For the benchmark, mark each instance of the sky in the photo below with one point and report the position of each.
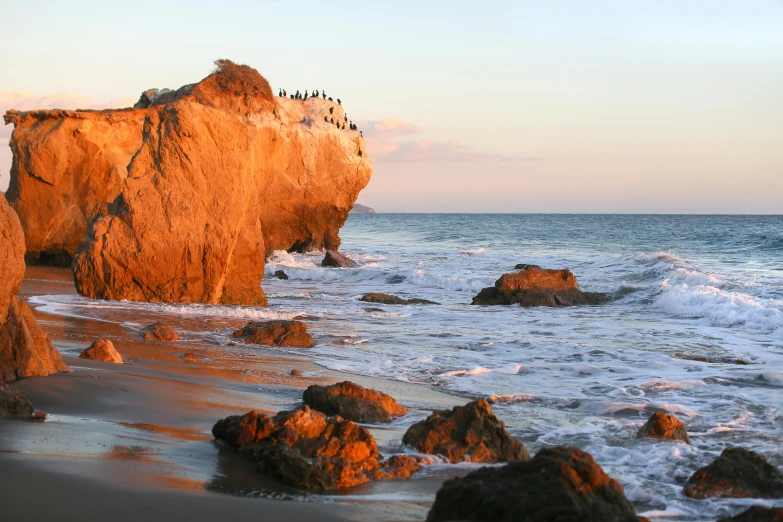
(643, 106)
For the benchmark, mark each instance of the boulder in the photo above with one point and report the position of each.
(335, 259)
(281, 275)
(276, 333)
(190, 357)
(180, 199)
(757, 514)
(534, 286)
(466, 433)
(159, 332)
(663, 426)
(102, 350)
(307, 449)
(562, 484)
(13, 404)
(737, 473)
(377, 297)
(353, 402)
(295, 373)
(25, 350)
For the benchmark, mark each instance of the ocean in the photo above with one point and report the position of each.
(695, 328)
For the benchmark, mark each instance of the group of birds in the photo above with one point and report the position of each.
(318, 94)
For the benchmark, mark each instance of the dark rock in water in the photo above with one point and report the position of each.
(737, 473)
(377, 297)
(307, 449)
(335, 259)
(353, 402)
(535, 286)
(295, 373)
(13, 404)
(102, 350)
(525, 266)
(757, 514)
(663, 426)
(371, 310)
(395, 279)
(558, 484)
(159, 332)
(276, 333)
(715, 360)
(281, 275)
(466, 433)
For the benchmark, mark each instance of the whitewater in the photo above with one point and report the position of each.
(694, 328)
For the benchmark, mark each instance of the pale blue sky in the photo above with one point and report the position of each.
(558, 106)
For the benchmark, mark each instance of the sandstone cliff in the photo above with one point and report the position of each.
(202, 182)
(25, 350)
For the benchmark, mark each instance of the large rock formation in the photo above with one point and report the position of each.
(202, 182)
(562, 484)
(25, 350)
(534, 286)
(737, 473)
(353, 402)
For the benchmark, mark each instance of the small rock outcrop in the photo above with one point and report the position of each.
(335, 259)
(466, 433)
(663, 426)
(307, 449)
(377, 297)
(275, 333)
(13, 404)
(159, 332)
(535, 286)
(525, 266)
(281, 275)
(757, 514)
(190, 357)
(102, 350)
(563, 484)
(353, 402)
(737, 473)
(361, 209)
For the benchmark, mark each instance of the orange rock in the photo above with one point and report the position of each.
(159, 332)
(276, 333)
(353, 402)
(534, 286)
(102, 350)
(663, 426)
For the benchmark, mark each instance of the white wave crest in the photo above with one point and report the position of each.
(658, 257)
(472, 251)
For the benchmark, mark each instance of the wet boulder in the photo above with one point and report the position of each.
(13, 404)
(102, 350)
(353, 402)
(466, 433)
(190, 357)
(534, 286)
(281, 275)
(378, 297)
(737, 473)
(663, 426)
(563, 484)
(335, 259)
(757, 514)
(159, 332)
(275, 333)
(305, 448)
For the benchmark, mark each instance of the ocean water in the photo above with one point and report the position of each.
(695, 328)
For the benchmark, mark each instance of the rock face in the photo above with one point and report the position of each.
(102, 350)
(353, 402)
(466, 433)
(202, 183)
(305, 448)
(737, 473)
(159, 332)
(335, 259)
(534, 286)
(276, 333)
(663, 426)
(757, 514)
(377, 297)
(562, 484)
(13, 403)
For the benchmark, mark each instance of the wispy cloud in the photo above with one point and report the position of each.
(384, 145)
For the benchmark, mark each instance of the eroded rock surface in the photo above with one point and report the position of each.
(102, 350)
(757, 514)
(307, 449)
(466, 433)
(737, 473)
(159, 332)
(563, 484)
(353, 402)
(534, 286)
(663, 426)
(180, 199)
(377, 297)
(276, 333)
(13, 404)
(335, 259)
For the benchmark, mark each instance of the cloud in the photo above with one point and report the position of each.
(383, 145)
(26, 101)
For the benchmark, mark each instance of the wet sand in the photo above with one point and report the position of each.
(133, 441)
